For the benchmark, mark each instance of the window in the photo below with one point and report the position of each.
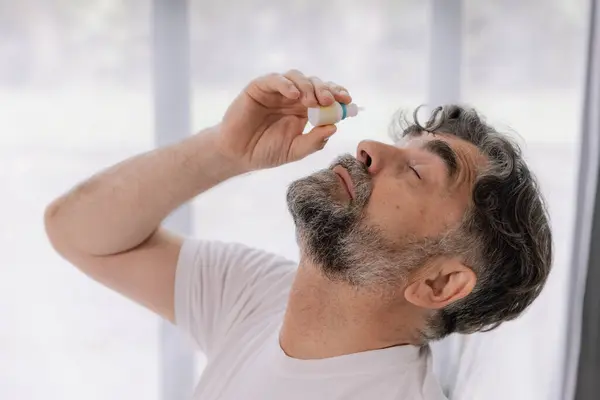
(524, 68)
(75, 98)
(376, 49)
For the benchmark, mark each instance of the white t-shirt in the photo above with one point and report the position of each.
(230, 299)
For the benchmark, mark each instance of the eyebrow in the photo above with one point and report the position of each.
(445, 152)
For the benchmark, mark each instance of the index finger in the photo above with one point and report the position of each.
(324, 94)
(340, 93)
(276, 83)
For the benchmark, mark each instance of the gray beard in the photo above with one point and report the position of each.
(335, 236)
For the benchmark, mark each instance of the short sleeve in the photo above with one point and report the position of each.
(221, 286)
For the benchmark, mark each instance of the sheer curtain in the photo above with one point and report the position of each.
(377, 49)
(74, 98)
(523, 66)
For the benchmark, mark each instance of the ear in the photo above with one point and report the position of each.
(443, 283)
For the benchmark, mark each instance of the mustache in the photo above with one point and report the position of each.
(350, 163)
(358, 172)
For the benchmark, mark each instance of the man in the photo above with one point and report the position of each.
(444, 232)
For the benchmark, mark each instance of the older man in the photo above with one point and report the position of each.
(399, 245)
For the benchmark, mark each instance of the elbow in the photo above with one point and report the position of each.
(54, 231)
(71, 234)
(50, 214)
(64, 238)
(50, 224)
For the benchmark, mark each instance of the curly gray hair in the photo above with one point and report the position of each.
(505, 235)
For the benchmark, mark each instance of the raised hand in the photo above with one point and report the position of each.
(263, 126)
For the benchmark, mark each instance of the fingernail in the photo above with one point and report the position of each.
(345, 93)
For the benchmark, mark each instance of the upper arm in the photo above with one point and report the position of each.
(206, 288)
(144, 274)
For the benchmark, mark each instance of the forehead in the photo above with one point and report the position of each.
(419, 140)
(467, 156)
(465, 150)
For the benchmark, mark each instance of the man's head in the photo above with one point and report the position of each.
(451, 217)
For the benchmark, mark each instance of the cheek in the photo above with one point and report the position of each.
(396, 210)
(400, 212)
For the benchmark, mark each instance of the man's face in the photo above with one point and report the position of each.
(374, 218)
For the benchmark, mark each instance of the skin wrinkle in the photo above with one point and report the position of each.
(403, 230)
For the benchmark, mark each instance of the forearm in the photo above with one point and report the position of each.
(121, 207)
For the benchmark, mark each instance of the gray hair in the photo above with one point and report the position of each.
(505, 234)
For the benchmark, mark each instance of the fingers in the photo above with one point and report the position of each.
(323, 92)
(340, 93)
(277, 83)
(316, 93)
(312, 141)
(308, 98)
(312, 92)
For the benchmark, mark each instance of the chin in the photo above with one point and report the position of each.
(330, 229)
(322, 222)
(344, 246)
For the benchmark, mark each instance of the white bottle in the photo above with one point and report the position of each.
(319, 116)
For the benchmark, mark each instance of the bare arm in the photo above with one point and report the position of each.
(108, 226)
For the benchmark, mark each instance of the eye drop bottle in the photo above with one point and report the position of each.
(319, 116)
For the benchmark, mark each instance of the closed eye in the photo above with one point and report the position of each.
(415, 171)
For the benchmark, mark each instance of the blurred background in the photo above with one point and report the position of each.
(78, 88)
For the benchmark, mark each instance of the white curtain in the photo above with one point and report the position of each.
(581, 358)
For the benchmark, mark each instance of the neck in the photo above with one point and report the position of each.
(327, 319)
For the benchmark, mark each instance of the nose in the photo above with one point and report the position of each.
(375, 155)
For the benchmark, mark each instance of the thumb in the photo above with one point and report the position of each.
(315, 140)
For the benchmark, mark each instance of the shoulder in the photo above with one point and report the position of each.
(432, 388)
(223, 288)
(236, 273)
(421, 381)
(215, 254)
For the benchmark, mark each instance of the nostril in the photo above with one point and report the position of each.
(364, 156)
